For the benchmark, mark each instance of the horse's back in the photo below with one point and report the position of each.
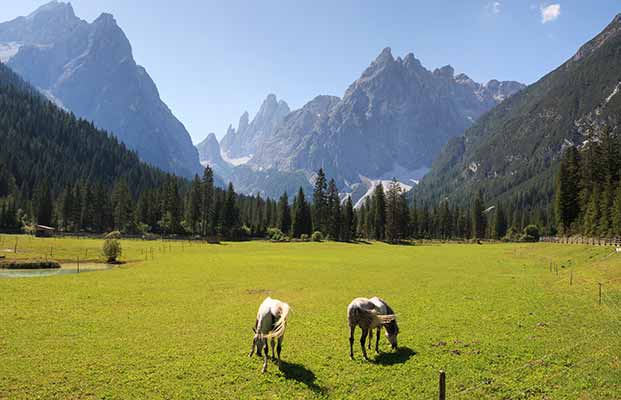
(380, 305)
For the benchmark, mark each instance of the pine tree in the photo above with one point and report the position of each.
(320, 202)
(616, 212)
(592, 214)
(394, 213)
(349, 221)
(207, 203)
(478, 219)
(567, 199)
(333, 211)
(500, 223)
(379, 213)
(193, 208)
(122, 207)
(230, 213)
(284, 214)
(302, 224)
(44, 204)
(604, 224)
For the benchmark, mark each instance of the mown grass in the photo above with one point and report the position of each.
(179, 325)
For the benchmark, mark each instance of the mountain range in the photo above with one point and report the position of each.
(89, 69)
(391, 122)
(512, 152)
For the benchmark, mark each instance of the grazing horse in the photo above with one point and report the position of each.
(371, 314)
(270, 325)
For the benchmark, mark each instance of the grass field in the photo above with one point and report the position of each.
(179, 325)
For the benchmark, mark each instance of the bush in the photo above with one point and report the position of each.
(531, 234)
(112, 250)
(304, 237)
(511, 236)
(246, 231)
(274, 234)
(317, 236)
(113, 235)
(149, 236)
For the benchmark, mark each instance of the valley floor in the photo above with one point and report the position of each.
(496, 318)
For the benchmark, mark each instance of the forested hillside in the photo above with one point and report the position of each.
(511, 155)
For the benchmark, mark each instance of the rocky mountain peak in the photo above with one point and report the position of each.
(385, 57)
(447, 72)
(410, 61)
(90, 70)
(242, 144)
(53, 9)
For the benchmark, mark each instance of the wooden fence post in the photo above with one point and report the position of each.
(78, 264)
(571, 278)
(442, 384)
(15, 249)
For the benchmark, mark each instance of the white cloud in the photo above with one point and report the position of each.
(550, 12)
(493, 7)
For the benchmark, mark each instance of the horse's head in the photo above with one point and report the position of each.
(392, 330)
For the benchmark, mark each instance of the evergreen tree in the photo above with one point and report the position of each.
(616, 212)
(567, 199)
(379, 212)
(478, 218)
(500, 223)
(122, 207)
(320, 202)
(396, 213)
(284, 214)
(207, 202)
(230, 213)
(349, 221)
(193, 208)
(333, 211)
(604, 224)
(592, 214)
(302, 224)
(44, 205)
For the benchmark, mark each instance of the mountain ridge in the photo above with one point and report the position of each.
(89, 69)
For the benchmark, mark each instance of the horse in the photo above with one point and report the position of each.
(270, 325)
(371, 314)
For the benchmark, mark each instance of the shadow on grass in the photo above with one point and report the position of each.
(300, 373)
(402, 355)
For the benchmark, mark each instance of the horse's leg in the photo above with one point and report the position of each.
(265, 356)
(279, 348)
(363, 337)
(379, 331)
(370, 338)
(273, 346)
(352, 328)
(254, 345)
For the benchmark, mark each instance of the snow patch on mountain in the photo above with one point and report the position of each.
(8, 51)
(235, 161)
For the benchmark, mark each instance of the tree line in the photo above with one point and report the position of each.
(588, 186)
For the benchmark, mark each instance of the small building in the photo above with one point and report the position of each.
(44, 231)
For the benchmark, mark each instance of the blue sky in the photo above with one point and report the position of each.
(214, 59)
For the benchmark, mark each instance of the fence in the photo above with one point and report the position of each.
(582, 240)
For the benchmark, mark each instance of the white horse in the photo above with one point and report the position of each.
(371, 314)
(271, 323)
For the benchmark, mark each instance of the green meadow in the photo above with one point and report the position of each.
(175, 321)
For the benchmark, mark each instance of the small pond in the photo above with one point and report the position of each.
(66, 269)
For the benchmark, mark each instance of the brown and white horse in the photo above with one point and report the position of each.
(270, 325)
(371, 314)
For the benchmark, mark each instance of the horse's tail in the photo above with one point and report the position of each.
(281, 324)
